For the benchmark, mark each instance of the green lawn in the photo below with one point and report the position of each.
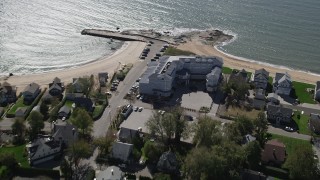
(171, 51)
(68, 103)
(302, 94)
(270, 80)
(97, 110)
(291, 143)
(18, 151)
(19, 103)
(226, 70)
(302, 122)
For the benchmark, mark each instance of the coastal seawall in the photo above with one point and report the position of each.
(120, 36)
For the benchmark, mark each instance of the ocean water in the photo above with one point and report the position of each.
(44, 35)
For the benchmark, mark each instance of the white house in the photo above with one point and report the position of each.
(160, 75)
(282, 84)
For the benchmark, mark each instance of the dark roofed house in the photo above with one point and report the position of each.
(31, 92)
(259, 101)
(314, 123)
(56, 87)
(260, 78)
(317, 91)
(111, 173)
(77, 86)
(239, 77)
(103, 78)
(282, 84)
(8, 93)
(85, 103)
(274, 152)
(278, 114)
(122, 151)
(168, 163)
(127, 135)
(64, 111)
(64, 132)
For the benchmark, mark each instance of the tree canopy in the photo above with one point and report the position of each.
(82, 120)
(207, 132)
(303, 165)
(36, 123)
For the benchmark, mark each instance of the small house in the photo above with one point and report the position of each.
(282, 84)
(260, 78)
(122, 151)
(103, 78)
(8, 93)
(56, 87)
(274, 152)
(31, 92)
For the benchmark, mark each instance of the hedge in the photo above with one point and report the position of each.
(34, 172)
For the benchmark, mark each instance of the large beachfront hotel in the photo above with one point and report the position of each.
(161, 75)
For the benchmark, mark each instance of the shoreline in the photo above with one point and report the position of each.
(234, 62)
(128, 53)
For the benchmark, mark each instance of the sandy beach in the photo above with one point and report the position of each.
(199, 48)
(128, 53)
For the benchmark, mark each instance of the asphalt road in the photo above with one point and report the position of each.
(101, 126)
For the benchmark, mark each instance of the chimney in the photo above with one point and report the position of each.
(274, 154)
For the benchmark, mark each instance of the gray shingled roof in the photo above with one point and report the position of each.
(272, 109)
(32, 88)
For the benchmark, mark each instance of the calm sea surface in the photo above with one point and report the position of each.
(44, 35)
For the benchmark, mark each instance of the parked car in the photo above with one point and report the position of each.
(142, 57)
(153, 59)
(141, 97)
(140, 109)
(135, 108)
(149, 44)
(156, 57)
(158, 54)
(138, 80)
(138, 96)
(289, 129)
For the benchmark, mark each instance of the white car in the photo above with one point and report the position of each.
(140, 109)
(289, 129)
(141, 97)
(135, 108)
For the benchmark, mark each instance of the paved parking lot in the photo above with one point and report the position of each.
(137, 120)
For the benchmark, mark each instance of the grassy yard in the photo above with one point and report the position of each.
(302, 94)
(302, 122)
(19, 103)
(171, 51)
(291, 143)
(68, 103)
(18, 151)
(226, 70)
(235, 112)
(97, 110)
